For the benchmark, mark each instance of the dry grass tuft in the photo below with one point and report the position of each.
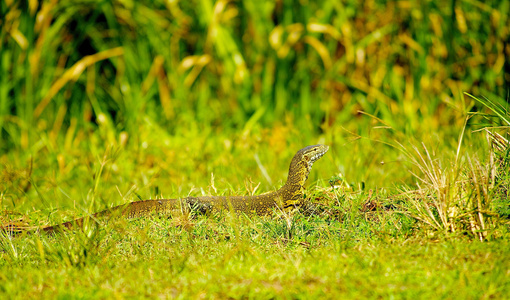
(456, 196)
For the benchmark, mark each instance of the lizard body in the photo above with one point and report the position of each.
(290, 195)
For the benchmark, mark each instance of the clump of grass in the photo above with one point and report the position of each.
(13, 252)
(77, 249)
(500, 156)
(456, 195)
(498, 119)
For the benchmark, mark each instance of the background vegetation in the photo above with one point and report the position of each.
(105, 102)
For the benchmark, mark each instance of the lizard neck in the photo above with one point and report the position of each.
(300, 166)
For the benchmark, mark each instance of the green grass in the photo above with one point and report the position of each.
(102, 103)
(253, 258)
(357, 244)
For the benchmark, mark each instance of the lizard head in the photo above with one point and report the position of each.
(302, 163)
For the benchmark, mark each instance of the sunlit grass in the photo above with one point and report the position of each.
(103, 103)
(454, 196)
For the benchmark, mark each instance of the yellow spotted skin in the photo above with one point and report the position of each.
(290, 195)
